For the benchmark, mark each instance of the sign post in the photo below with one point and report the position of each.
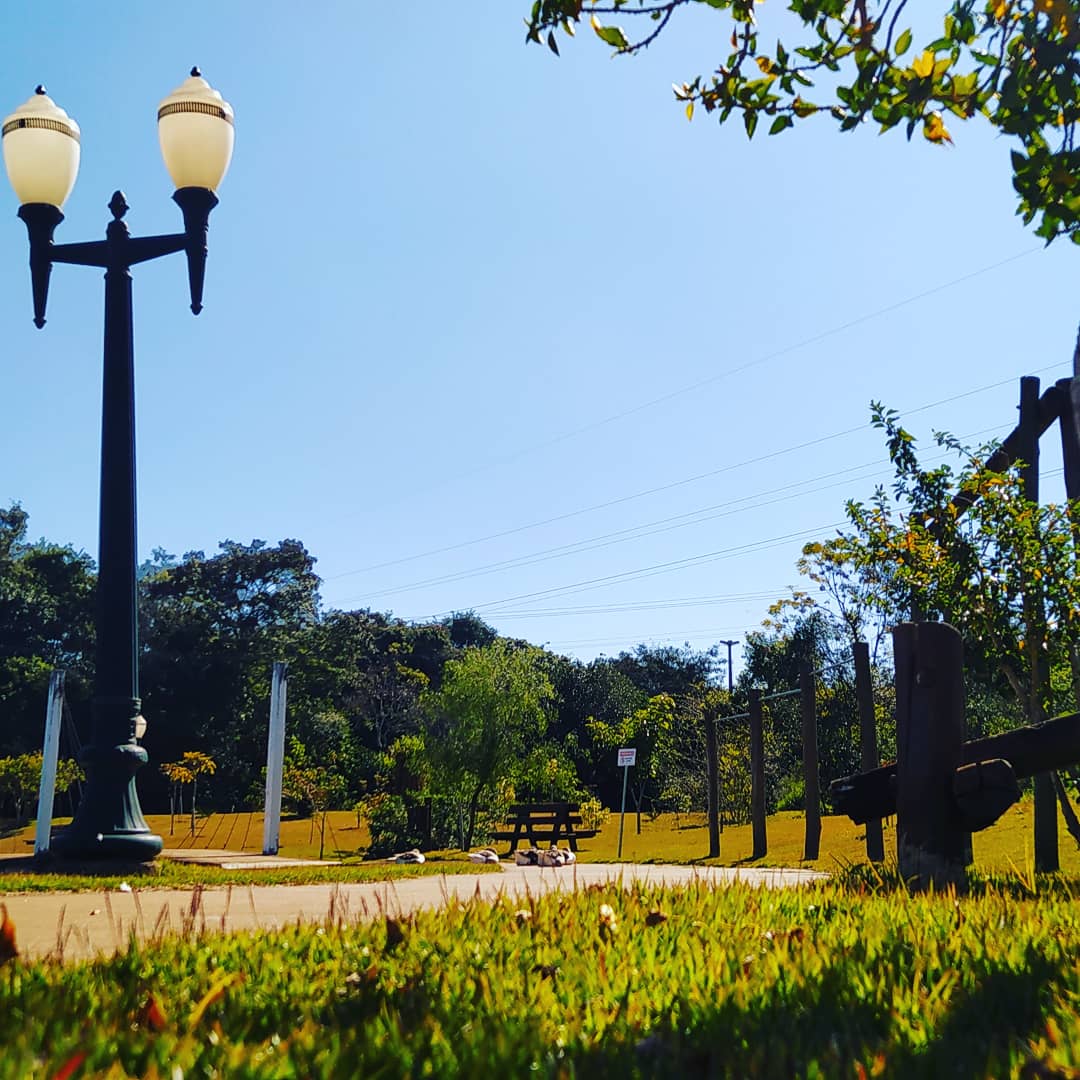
(627, 757)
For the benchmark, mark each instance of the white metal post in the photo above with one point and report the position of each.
(627, 757)
(622, 812)
(50, 752)
(275, 760)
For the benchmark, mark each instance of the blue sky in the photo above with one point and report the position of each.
(489, 329)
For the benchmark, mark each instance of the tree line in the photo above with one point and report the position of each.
(429, 730)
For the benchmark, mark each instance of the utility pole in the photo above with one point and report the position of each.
(730, 681)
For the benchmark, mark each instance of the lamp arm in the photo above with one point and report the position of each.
(92, 253)
(144, 248)
(118, 250)
(104, 253)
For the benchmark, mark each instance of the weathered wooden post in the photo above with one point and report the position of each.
(712, 775)
(1046, 839)
(811, 779)
(757, 776)
(1069, 426)
(929, 733)
(864, 694)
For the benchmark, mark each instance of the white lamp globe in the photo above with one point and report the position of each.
(195, 129)
(41, 151)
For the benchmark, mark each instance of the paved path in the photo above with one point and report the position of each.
(79, 925)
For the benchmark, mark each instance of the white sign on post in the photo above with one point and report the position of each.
(627, 757)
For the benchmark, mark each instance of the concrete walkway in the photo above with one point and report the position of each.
(75, 926)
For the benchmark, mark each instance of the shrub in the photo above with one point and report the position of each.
(388, 822)
(791, 793)
(593, 814)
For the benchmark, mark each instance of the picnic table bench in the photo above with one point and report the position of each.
(543, 821)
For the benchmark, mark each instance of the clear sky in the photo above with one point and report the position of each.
(489, 329)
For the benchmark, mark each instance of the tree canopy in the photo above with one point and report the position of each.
(1014, 63)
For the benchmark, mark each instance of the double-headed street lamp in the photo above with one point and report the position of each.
(41, 153)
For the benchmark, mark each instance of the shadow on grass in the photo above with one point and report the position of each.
(790, 1026)
(46, 865)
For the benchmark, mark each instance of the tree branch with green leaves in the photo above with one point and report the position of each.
(1014, 63)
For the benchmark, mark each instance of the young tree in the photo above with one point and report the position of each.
(967, 545)
(316, 788)
(192, 765)
(1015, 63)
(485, 720)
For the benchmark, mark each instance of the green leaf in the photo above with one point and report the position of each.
(780, 123)
(613, 35)
(750, 118)
(552, 44)
(903, 43)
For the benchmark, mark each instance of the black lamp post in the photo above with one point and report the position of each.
(41, 153)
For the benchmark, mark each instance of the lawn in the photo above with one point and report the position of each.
(822, 981)
(667, 838)
(1004, 846)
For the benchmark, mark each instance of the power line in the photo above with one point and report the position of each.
(646, 639)
(671, 485)
(652, 528)
(651, 605)
(645, 605)
(607, 540)
(653, 570)
(775, 355)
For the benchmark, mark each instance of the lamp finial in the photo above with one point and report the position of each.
(118, 205)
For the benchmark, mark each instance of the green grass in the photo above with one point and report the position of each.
(844, 979)
(170, 875)
(667, 838)
(1005, 845)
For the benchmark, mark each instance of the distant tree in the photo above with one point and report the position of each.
(468, 630)
(211, 630)
(484, 721)
(800, 633)
(650, 730)
(597, 690)
(668, 669)
(1015, 63)
(46, 622)
(20, 779)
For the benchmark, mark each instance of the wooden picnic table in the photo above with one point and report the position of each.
(543, 821)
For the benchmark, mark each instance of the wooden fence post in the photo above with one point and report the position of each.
(1069, 427)
(1046, 838)
(712, 769)
(864, 694)
(757, 776)
(929, 733)
(811, 779)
